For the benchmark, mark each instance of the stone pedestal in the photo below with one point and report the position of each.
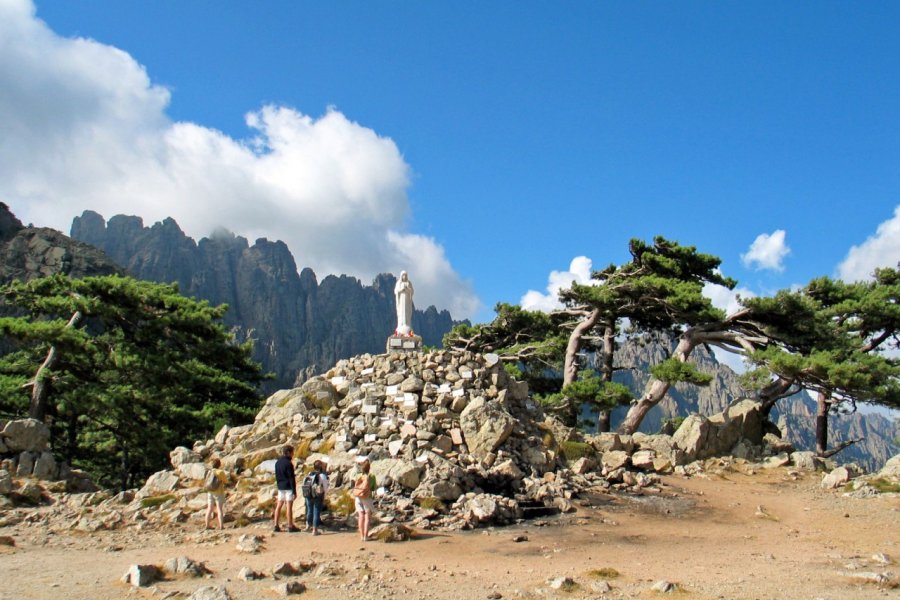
(404, 343)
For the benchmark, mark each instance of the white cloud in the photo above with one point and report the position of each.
(85, 128)
(725, 299)
(579, 271)
(767, 251)
(729, 301)
(880, 250)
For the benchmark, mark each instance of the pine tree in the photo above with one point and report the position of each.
(123, 370)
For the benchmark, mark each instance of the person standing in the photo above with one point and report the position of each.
(315, 500)
(215, 495)
(363, 488)
(286, 483)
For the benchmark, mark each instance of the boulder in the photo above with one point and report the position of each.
(614, 460)
(485, 426)
(28, 435)
(288, 588)
(837, 478)
(806, 460)
(693, 436)
(6, 483)
(45, 467)
(482, 508)
(161, 482)
(583, 465)
(210, 592)
(181, 455)
(141, 575)
(183, 565)
(643, 459)
(891, 469)
(195, 471)
(318, 392)
(25, 464)
(438, 488)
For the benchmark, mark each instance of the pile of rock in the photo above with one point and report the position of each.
(453, 442)
(28, 469)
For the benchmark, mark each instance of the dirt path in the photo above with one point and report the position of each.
(768, 535)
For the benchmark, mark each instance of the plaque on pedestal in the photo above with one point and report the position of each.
(404, 343)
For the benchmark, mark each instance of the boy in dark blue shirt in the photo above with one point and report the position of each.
(286, 481)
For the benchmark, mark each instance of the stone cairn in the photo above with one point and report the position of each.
(454, 443)
(29, 472)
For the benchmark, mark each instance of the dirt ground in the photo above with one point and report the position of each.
(773, 534)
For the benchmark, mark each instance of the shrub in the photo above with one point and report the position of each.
(604, 573)
(341, 504)
(302, 450)
(327, 446)
(575, 450)
(884, 486)
(433, 503)
(154, 501)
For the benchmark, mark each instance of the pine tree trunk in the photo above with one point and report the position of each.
(606, 373)
(822, 406)
(570, 368)
(603, 421)
(772, 393)
(656, 388)
(38, 407)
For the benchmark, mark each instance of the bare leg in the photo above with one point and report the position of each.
(220, 509)
(278, 512)
(290, 513)
(209, 509)
(365, 524)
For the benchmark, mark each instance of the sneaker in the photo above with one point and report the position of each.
(293, 529)
(276, 529)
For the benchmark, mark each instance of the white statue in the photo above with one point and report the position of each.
(403, 294)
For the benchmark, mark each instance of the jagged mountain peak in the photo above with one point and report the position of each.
(298, 323)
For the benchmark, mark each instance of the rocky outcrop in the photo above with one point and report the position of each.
(299, 326)
(25, 456)
(28, 253)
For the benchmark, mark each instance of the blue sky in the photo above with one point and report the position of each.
(481, 146)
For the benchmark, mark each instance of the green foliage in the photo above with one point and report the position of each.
(144, 370)
(661, 287)
(602, 395)
(883, 486)
(574, 450)
(671, 424)
(830, 337)
(433, 503)
(341, 504)
(154, 501)
(530, 344)
(673, 371)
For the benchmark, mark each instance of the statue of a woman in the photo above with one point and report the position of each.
(403, 294)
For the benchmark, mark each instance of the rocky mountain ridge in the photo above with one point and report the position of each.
(299, 325)
(30, 252)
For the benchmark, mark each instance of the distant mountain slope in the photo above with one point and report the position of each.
(299, 325)
(795, 416)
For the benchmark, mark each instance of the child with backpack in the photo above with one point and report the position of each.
(315, 486)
